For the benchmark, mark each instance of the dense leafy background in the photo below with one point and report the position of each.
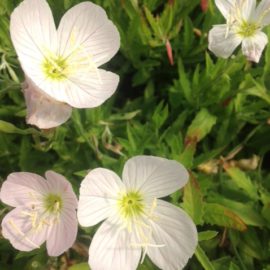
(210, 114)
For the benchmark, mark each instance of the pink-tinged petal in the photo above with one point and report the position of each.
(262, 13)
(85, 29)
(154, 176)
(62, 235)
(85, 88)
(17, 228)
(98, 196)
(23, 188)
(58, 184)
(253, 47)
(112, 248)
(43, 111)
(222, 42)
(33, 34)
(174, 229)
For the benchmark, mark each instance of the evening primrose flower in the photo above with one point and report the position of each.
(64, 63)
(137, 222)
(244, 25)
(44, 211)
(43, 111)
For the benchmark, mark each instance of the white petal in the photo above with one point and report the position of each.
(221, 43)
(22, 188)
(84, 89)
(225, 7)
(43, 111)
(17, 228)
(154, 176)
(86, 28)
(98, 194)
(252, 47)
(63, 234)
(174, 229)
(33, 34)
(262, 13)
(246, 7)
(111, 248)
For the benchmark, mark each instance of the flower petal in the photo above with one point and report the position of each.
(262, 13)
(84, 89)
(57, 183)
(43, 111)
(222, 44)
(225, 7)
(112, 246)
(86, 29)
(154, 176)
(22, 188)
(63, 234)
(253, 47)
(98, 194)
(246, 7)
(17, 228)
(33, 34)
(174, 229)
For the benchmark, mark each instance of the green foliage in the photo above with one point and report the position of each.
(210, 114)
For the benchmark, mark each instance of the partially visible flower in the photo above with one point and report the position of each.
(43, 111)
(244, 25)
(64, 63)
(136, 219)
(45, 211)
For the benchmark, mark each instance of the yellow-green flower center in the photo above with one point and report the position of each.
(131, 204)
(55, 68)
(247, 29)
(53, 203)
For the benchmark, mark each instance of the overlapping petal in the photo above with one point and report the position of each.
(43, 111)
(23, 187)
(174, 229)
(98, 196)
(253, 47)
(17, 227)
(86, 30)
(112, 247)
(222, 42)
(157, 177)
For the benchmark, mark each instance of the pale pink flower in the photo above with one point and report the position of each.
(43, 111)
(64, 63)
(137, 222)
(45, 210)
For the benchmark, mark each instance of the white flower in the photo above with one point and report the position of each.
(45, 210)
(64, 63)
(136, 219)
(43, 111)
(244, 25)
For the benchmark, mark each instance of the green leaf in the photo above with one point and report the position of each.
(242, 181)
(193, 200)
(201, 125)
(216, 214)
(7, 127)
(207, 235)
